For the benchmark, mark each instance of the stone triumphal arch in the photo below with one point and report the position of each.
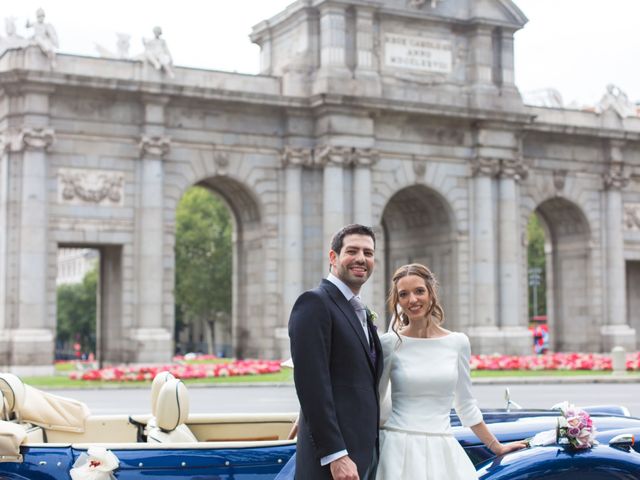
(399, 114)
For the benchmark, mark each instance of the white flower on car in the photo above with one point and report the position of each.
(97, 464)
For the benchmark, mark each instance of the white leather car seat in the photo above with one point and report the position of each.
(158, 382)
(171, 412)
(14, 393)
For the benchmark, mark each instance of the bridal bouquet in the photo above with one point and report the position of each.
(575, 425)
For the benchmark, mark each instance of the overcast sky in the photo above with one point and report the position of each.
(575, 46)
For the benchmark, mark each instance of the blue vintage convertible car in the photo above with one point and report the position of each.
(46, 437)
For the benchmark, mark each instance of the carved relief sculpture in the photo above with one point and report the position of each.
(419, 168)
(632, 216)
(221, 160)
(330, 154)
(485, 166)
(511, 168)
(35, 138)
(559, 179)
(297, 156)
(154, 146)
(364, 156)
(616, 177)
(76, 186)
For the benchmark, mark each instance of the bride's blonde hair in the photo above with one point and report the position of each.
(435, 311)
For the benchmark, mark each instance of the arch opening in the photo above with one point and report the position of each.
(235, 330)
(418, 227)
(567, 264)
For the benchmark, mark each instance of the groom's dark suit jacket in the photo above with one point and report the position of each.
(336, 381)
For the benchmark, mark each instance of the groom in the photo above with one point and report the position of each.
(337, 365)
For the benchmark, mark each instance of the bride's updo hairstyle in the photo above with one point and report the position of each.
(435, 311)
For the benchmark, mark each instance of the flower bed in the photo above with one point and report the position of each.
(138, 373)
(551, 361)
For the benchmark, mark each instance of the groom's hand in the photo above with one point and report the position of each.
(344, 469)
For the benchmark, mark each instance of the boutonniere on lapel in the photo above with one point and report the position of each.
(372, 317)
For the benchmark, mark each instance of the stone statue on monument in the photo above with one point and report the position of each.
(44, 36)
(618, 101)
(420, 3)
(12, 40)
(122, 47)
(157, 53)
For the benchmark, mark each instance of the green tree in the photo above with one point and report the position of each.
(203, 260)
(536, 259)
(77, 312)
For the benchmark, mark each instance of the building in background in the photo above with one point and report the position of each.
(75, 263)
(399, 114)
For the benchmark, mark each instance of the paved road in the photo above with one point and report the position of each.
(283, 399)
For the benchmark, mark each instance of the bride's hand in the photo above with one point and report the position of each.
(502, 449)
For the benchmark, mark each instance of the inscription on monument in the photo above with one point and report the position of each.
(418, 53)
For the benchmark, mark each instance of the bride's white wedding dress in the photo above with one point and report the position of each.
(428, 376)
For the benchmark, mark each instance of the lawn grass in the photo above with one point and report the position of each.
(63, 381)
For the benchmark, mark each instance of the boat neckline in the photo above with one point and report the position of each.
(428, 338)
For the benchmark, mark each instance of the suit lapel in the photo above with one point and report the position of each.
(350, 315)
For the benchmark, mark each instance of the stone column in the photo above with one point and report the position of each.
(31, 336)
(480, 69)
(366, 60)
(616, 331)
(294, 159)
(153, 336)
(333, 36)
(333, 75)
(333, 159)
(508, 59)
(485, 334)
(4, 228)
(481, 55)
(517, 338)
(363, 159)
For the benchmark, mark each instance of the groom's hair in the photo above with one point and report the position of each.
(354, 229)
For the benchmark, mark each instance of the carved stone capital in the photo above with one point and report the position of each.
(294, 156)
(632, 216)
(80, 186)
(34, 139)
(488, 167)
(332, 155)
(516, 169)
(616, 177)
(559, 179)
(154, 146)
(365, 157)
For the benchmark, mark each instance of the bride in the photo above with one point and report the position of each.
(428, 369)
